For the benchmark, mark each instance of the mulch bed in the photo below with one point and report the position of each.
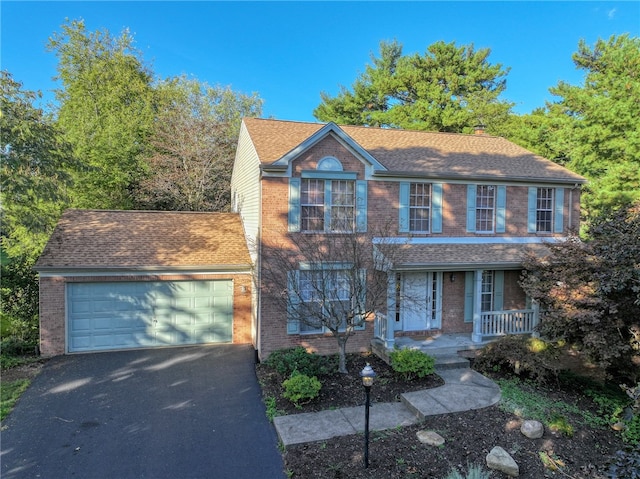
(469, 436)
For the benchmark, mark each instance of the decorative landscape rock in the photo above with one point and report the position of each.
(500, 460)
(532, 429)
(431, 438)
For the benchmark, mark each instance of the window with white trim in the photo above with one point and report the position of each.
(544, 210)
(485, 208)
(312, 205)
(324, 292)
(419, 207)
(342, 205)
(327, 205)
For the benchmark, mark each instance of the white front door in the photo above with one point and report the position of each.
(421, 301)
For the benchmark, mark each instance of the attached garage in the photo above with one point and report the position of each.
(113, 280)
(121, 315)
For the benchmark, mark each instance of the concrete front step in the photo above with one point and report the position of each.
(450, 361)
(446, 358)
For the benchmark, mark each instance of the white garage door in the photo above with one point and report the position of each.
(123, 315)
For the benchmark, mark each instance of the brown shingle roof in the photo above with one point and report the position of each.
(457, 256)
(101, 239)
(417, 152)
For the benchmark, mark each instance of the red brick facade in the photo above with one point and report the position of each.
(382, 208)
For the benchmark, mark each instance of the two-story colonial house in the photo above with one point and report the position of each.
(462, 210)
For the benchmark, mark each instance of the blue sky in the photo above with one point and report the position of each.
(288, 52)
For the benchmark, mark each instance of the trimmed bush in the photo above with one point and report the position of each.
(300, 388)
(526, 357)
(289, 360)
(412, 363)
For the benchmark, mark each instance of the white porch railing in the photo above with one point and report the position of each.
(500, 323)
(380, 326)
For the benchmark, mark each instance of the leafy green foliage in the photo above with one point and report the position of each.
(449, 88)
(589, 291)
(631, 431)
(34, 172)
(300, 388)
(19, 295)
(412, 363)
(526, 357)
(272, 408)
(106, 112)
(291, 360)
(595, 127)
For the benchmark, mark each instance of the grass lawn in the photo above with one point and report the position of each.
(9, 393)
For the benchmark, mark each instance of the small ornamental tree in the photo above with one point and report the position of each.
(328, 282)
(590, 291)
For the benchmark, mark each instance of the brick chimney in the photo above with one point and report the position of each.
(478, 129)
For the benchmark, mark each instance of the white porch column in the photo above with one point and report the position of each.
(536, 318)
(476, 337)
(389, 336)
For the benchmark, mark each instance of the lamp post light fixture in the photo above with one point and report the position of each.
(368, 375)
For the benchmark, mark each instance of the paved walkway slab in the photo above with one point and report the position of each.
(464, 389)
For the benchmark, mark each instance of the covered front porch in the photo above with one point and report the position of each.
(487, 326)
(455, 295)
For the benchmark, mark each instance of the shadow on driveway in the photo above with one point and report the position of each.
(191, 412)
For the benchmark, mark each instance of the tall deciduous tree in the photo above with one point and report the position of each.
(193, 145)
(590, 291)
(449, 89)
(596, 125)
(106, 111)
(34, 179)
(35, 171)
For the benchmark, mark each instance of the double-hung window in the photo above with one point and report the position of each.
(319, 205)
(419, 207)
(312, 205)
(324, 296)
(544, 210)
(485, 208)
(334, 212)
(342, 206)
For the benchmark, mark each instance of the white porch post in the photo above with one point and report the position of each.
(389, 336)
(536, 318)
(476, 337)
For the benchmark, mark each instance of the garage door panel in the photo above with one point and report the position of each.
(121, 315)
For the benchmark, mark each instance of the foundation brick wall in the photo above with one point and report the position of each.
(382, 219)
(53, 304)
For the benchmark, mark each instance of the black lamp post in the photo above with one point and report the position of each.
(368, 375)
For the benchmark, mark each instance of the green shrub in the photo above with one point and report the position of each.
(525, 357)
(289, 360)
(300, 388)
(412, 363)
(631, 431)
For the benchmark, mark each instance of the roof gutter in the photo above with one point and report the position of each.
(141, 270)
(466, 177)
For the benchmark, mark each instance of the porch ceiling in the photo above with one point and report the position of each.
(462, 257)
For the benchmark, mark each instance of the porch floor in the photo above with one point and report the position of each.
(441, 344)
(443, 347)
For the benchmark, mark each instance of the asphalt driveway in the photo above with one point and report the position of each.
(174, 413)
